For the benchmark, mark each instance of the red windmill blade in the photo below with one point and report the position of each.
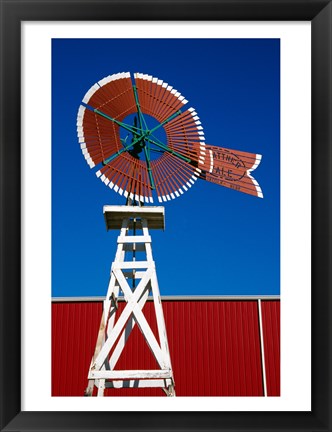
(145, 162)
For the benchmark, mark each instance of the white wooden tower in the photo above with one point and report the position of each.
(132, 280)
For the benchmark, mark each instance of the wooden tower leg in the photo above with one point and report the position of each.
(114, 333)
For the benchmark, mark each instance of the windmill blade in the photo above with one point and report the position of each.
(179, 167)
(173, 176)
(98, 137)
(157, 99)
(113, 95)
(127, 176)
(108, 102)
(232, 169)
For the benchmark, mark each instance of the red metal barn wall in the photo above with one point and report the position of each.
(271, 332)
(215, 347)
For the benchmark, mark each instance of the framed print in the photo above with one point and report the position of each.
(207, 300)
(52, 236)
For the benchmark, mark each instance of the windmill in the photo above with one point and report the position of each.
(142, 141)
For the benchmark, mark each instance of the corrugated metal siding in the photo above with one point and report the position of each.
(74, 332)
(214, 346)
(271, 331)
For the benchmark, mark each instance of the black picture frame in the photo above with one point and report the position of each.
(13, 12)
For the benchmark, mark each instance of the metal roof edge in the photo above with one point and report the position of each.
(173, 298)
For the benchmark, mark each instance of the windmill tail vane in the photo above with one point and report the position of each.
(140, 138)
(232, 169)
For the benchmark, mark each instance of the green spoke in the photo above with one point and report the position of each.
(124, 125)
(128, 147)
(156, 150)
(143, 137)
(161, 145)
(166, 121)
(141, 118)
(149, 168)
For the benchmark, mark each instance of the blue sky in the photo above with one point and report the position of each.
(217, 241)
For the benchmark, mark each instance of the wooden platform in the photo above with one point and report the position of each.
(114, 215)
